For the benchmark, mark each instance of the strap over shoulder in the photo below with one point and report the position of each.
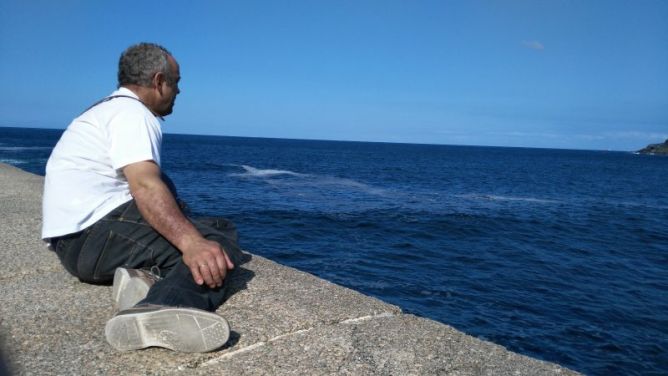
(112, 97)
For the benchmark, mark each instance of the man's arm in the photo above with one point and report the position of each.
(207, 261)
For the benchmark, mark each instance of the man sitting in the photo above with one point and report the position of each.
(110, 215)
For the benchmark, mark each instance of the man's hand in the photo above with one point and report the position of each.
(207, 261)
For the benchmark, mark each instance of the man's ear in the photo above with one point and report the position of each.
(158, 80)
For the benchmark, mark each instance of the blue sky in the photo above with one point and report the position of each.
(563, 74)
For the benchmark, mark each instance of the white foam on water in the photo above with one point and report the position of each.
(307, 180)
(638, 205)
(12, 161)
(484, 197)
(328, 181)
(260, 173)
(19, 148)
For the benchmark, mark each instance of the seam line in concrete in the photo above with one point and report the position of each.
(369, 317)
(254, 346)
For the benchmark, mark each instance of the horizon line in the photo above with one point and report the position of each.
(359, 141)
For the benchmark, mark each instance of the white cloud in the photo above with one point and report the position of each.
(638, 135)
(534, 45)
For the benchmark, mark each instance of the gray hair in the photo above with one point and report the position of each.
(139, 63)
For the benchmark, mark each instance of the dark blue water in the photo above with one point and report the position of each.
(556, 254)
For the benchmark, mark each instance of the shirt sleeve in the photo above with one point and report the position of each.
(135, 136)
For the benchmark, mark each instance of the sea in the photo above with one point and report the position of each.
(560, 255)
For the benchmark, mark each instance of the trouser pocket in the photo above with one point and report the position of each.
(67, 249)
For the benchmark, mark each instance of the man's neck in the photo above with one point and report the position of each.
(145, 95)
(140, 91)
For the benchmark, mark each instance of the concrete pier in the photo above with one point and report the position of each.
(284, 322)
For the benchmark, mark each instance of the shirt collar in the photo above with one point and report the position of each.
(125, 91)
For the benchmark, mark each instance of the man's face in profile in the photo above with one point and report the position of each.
(170, 88)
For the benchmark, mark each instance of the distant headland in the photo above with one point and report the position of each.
(655, 149)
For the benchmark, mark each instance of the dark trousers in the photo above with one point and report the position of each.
(124, 239)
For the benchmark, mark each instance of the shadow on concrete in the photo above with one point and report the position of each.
(4, 366)
(238, 280)
(232, 341)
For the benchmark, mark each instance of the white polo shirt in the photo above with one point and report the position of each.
(84, 178)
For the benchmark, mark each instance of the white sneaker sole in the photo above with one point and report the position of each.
(128, 290)
(179, 329)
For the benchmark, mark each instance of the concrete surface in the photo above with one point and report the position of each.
(284, 322)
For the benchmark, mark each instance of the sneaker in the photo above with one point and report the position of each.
(131, 286)
(176, 328)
